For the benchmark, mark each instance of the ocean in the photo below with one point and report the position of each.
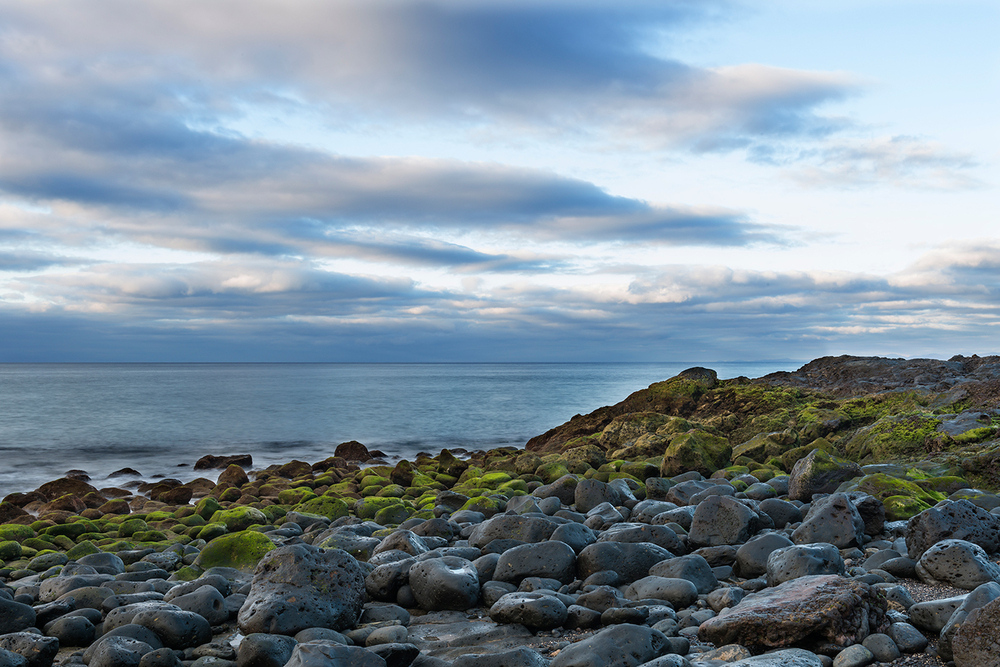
(160, 418)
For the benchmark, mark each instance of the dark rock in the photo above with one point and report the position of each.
(297, 587)
(680, 593)
(396, 654)
(636, 532)
(781, 512)
(590, 493)
(264, 650)
(722, 520)
(693, 568)
(537, 611)
(957, 563)
(907, 637)
(445, 583)
(72, 631)
(206, 601)
(630, 560)
(518, 657)
(978, 598)
(623, 645)
(832, 519)
(952, 519)
(819, 472)
(976, 643)
(802, 560)
(162, 657)
(15, 616)
(527, 529)
(576, 535)
(210, 461)
(551, 559)
(116, 651)
(316, 654)
(177, 629)
(805, 611)
(751, 558)
(933, 615)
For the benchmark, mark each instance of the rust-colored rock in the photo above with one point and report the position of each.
(352, 451)
(234, 475)
(805, 612)
(210, 461)
(65, 485)
(10, 511)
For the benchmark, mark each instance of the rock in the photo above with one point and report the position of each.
(976, 643)
(352, 451)
(506, 526)
(958, 563)
(403, 540)
(177, 629)
(205, 601)
(751, 558)
(693, 568)
(808, 610)
(630, 561)
(695, 450)
(622, 645)
(788, 563)
(316, 654)
(104, 563)
(933, 615)
(165, 657)
(722, 520)
(396, 654)
(298, 586)
(781, 512)
(978, 598)
(444, 583)
(728, 596)
(518, 657)
(385, 580)
(952, 519)
(551, 559)
(834, 520)
(11, 659)
(882, 647)
(635, 532)
(72, 631)
(15, 616)
(789, 657)
(116, 651)
(590, 493)
(537, 611)
(210, 461)
(907, 637)
(819, 472)
(854, 656)
(264, 650)
(576, 535)
(680, 593)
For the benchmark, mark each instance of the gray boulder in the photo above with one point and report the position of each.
(957, 563)
(324, 654)
(263, 650)
(536, 611)
(513, 527)
(933, 615)
(834, 520)
(624, 645)
(976, 643)
(630, 560)
(819, 472)
(781, 512)
(751, 558)
(952, 519)
(518, 657)
(680, 593)
(205, 601)
(590, 493)
(693, 568)
(576, 535)
(298, 586)
(974, 600)
(115, 651)
(638, 532)
(550, 559)
(722, 520)
(444, 583)
(15, 616)
(803, 560)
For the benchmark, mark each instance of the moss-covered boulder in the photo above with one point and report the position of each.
(207, 507)
(132, 526)
(820, 472)
(884, 486)
(765, 446)
(239, 518)
(898, 508)
(485, 504)
(81, 549)
(393, 515)
(10, 550)
(550, 471)
(328, 506)
(16, 532)
(367, 508)
(895, 436)
(240, 550)
(695, 450)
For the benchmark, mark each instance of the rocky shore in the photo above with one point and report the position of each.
(845, 514)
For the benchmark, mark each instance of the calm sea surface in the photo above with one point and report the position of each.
(160, 418)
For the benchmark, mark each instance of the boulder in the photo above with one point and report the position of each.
(680, 593)
(590, 493)
(298, 586)
(550, 559)
(630, 560)
(952, 519)
(976, 643)
(444, 583)
(819, 472)
(802, 560)
(623, 645)
(832, 519)
(511, 526)
(536, 611)
(957, 563)
(751, 558)
(978, 598)
(808, 611)
(693, 568)
(637, 532)
(722, 520)
(695, 450)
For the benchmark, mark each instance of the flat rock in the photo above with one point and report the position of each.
(814, 609)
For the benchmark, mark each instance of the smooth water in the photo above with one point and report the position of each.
(160, 418)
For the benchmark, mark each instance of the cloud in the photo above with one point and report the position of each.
(588, 69)
(899, 161)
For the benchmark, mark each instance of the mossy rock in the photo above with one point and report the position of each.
(193, 520)
(493, 480)
(898, 508)
(367, 508)
(187, 573)
(328, 506)
(16, 532)
(393, 515)
(81, 549)
(587, 453)
(485, 504)
(239, 518)
(550, 472)
(514, 486)
(207, 507)
(211, 531)
(150, 536)
(884, 486)
(73, 530)
(240, 550)
(63, 542)
(10, 550)
(132, 526)
(641, 470)
(763, 474)
(792, 456)
(41, 524)
(390, 491)
(764, 446)
(373, 480)
(894, 437)
(695, 450)
(946, 485)
(44, 560)
(299, 494)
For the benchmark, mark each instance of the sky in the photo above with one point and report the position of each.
(469, 180)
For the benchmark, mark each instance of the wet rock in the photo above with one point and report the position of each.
(537, 611)
(177, 629)
(527, 529)
(551, 559)
(165, 657)
(751, 558)
(978, 598)
(519, 657)
(635, 532)
(781, 512)
(116, 651)
(15, 616)
(316, 654)
(907, 638)
(952, 519)
(264, 650)
(623, 645)
(808, 610)
(445, 583)
(693, 568)
(801, 560)
(11, 659)
(679, 593)
(590, 493)
(576, 535)
(210, 461)
(384, 582)
(958, 563)
(72, 631)
(630, 561)
(933, 615)
(298, 586)
(834, 520)
(206, 601)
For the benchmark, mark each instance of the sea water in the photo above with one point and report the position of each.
(161, 418)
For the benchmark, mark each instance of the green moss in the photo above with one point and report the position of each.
(241, 550)
(10, 550)
(296, 495)
(492, 480)
(893, 437)
(884, 486)
(390, 491)
(551, 471)
(947, 485)
(130, 527)
(898, 508)
(367, 508)
(328, 506)
(211, 531)
(82, 549)
(207, 507)
(974, 435)
(695, 450)
(239, 518)
(16, 532)
(393, 515)
(485, 504)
